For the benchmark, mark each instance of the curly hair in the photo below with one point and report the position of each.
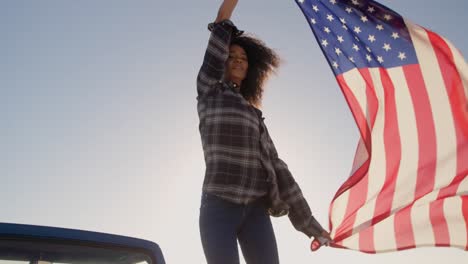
(262, 62)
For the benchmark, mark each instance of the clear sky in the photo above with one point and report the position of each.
(99, 129)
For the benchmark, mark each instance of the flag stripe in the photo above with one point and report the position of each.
(337, 212)
(362, 83)
(453, 210)
(404, 233)
(422, 225)
(441, 109)
(445, 130)
(439, 224)
(405, 182)
(392, 148)
(426, 153)
(454, 86)
(357, 99)
(383, 235)
(377, 105)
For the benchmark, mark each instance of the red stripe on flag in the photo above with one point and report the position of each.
(426, 130)
(392, 143)
(366, 240)
(345, 228)
(404, 235)
(358, 114)
(454, 87)
(439, 224)
(384, 201)
(453, 82)
(372, 101)
(357, 197)
(427, 152)
(359, 180)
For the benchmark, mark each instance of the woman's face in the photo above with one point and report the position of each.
(236, 64)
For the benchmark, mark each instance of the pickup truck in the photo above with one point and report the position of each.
(46, 245)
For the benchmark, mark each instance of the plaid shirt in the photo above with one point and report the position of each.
(242, 164)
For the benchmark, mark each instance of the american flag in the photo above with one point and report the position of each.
(407, 88)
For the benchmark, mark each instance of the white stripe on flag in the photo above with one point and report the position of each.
(456, 225)
(357, 85)
(377, 167)
(406, 179)
(338, 211)
(440, 105)
(351, 242)
(384, 237)
(422, 226)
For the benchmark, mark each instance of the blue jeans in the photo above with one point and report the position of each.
(223, 223)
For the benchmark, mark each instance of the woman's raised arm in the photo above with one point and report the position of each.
(225, 10)
(212, 69)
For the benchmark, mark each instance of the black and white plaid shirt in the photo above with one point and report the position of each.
(242, 164)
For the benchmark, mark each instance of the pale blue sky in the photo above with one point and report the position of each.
(99, 129)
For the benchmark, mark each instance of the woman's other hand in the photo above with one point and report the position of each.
(323, 239)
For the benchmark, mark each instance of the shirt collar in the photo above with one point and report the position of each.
(233, 86)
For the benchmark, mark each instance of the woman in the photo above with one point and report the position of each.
(245, 181)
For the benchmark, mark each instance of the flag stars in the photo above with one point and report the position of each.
(345, 27)
(402, 55)
(338, 51)
(371, 9)
(326, 29)
(330, 18)
(380, 27)
(380, 59)
(357, 30)
(368, 58)
(313, 21)
(372, 38)
(351, 59)
(343, 20)
(387, 47)
(355, 2)
(395, 35)
(340, 39)
(315, 8)
(335, 65)
(349, 10)
(364, 19)
(333, 2)
(355, 47)
(324, 43)
(388, 17)
(301, 1)
(368, 49)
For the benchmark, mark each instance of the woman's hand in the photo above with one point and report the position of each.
(225, 10)
(323, 239)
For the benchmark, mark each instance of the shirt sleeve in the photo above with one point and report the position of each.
(216, 54)
(299, 214)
